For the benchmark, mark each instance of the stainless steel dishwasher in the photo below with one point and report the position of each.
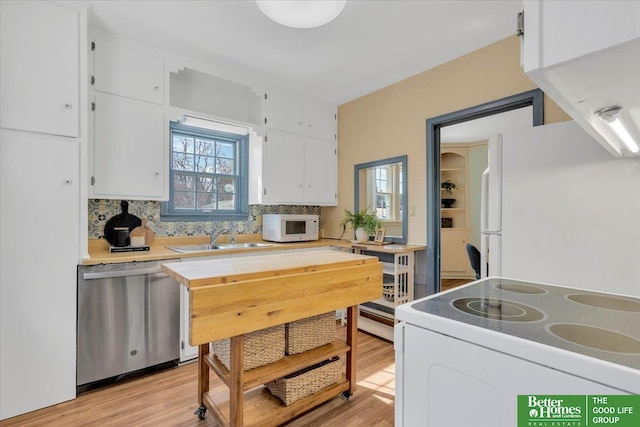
(128, 319)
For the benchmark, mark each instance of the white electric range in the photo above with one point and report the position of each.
(463, 356)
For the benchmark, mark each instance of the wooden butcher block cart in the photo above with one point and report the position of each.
(233, 297)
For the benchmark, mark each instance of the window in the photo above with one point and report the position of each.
(388, 192)
(207, 175)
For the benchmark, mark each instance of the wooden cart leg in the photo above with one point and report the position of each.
(203, 379)
(352, 341)
(236, 386)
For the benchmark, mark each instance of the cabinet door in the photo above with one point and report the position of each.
(129, 154)
(454, 257)
(39, 67)
(284, 168)
(187, 351)
(284, 112)
(321, 162)
(123, 71)
(320, 121)
(560, 31)
(39, 212)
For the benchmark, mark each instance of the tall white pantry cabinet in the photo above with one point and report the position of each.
(42, 137)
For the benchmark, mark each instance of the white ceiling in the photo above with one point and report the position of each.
(369, 46)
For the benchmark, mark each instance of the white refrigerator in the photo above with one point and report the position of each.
(491, 211)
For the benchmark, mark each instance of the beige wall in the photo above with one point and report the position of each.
(392, 121)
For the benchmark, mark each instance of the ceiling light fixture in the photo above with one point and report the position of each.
(610, 116)
(301, 13)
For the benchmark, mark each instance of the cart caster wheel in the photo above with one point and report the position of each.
(200, 412)
(346, 395)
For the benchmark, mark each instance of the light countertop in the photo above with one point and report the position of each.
(99, 248)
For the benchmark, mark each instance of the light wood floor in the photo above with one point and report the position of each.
(447, 284)
(169, 398)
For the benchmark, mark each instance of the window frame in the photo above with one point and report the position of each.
(241, 142)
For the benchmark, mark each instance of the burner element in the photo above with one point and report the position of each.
(604, 301)
(598, 338)
(498, 309)
(520, 289)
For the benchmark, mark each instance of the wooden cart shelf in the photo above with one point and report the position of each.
(262, 409)
(285, 366)
(233, 297)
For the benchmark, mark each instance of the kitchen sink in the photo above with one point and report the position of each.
(243, 245)
(216, 247)
(193, 248)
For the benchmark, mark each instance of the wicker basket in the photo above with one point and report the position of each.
(307, 381)
(260, 348)
(312, 332)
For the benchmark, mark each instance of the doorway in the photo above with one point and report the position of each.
(532, 98)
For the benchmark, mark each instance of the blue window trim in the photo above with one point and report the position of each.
(242, 144)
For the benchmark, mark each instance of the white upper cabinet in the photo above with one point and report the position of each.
(300, 156)
(585, 55)
(39, 67)
(565, 30)
(299, 171)
(283, 164)
(320, 121)
(284, 112)
(290, 114)
(321, 172)
(124, 71)
(129, 153)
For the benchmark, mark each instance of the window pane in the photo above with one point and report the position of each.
(182, 161)
(184, 200)
(206, 201)
(225, 149)
(226, 201)
(183, 182)
(205, 147)
(182, 143)
(226, 185)
(205, 184)
(225, 166)
(205, 164)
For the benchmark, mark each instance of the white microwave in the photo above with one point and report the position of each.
(289, 227)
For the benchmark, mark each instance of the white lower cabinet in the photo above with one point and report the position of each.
(40, 192)
(187, 351)
(129, 150)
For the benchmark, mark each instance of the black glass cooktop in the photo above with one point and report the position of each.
(605, 326)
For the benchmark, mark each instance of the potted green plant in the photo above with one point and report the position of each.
(364, 224)
(448, 186)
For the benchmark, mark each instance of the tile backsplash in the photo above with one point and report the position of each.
(101, 210)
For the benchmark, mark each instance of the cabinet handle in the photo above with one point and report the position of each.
(68, 106)
(156, 174)
(156, 87)
(68, 181)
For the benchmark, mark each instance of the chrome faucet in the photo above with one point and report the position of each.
(214, 236)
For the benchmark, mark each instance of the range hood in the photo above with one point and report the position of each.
(586, 57)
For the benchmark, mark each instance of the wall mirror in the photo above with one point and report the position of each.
(381, 186)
